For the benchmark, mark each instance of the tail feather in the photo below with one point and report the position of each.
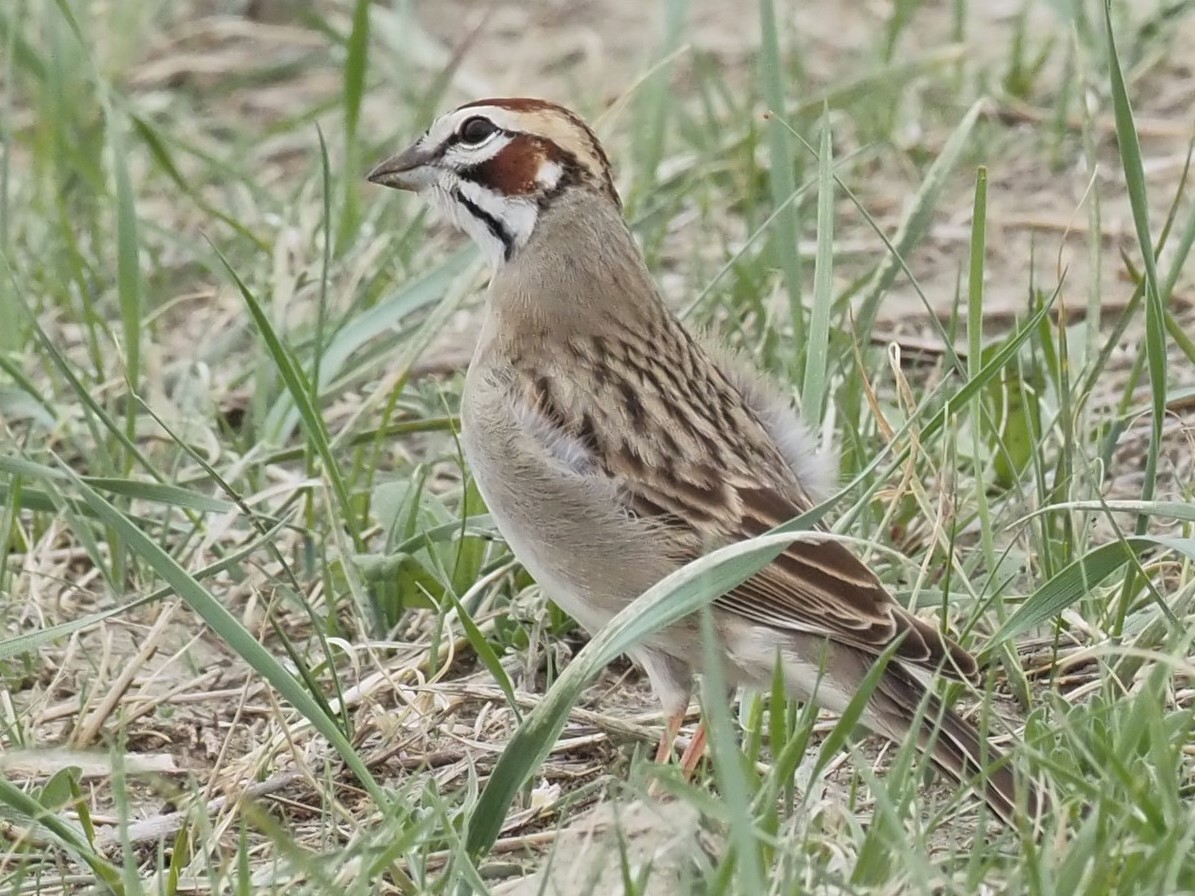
(954, 745)
(899, 707)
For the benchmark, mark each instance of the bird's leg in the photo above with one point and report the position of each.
(670, 730)
(693, 752)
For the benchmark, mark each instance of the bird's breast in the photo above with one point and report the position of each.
(560, 513)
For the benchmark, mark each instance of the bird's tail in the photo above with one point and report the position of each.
(900, 702)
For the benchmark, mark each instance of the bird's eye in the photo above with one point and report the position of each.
(476, 129)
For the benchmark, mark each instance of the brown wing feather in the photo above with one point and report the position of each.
(821, 580)
(688, 452)
(815, 586)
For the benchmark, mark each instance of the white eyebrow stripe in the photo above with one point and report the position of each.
(465, 155)
(555, 125)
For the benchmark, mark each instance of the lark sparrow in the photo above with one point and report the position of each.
(612, 446)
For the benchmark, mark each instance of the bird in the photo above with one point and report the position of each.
(612, 446)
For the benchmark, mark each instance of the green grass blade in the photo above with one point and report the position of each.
(975, 293)
(676, 596)
(70, 839)
(916, 221)
(735, 782)
(814, 385)
(29, 642)
(355, 66)
(129, 287)
(1075, 581)
(783, 172)
(224, 624)
(302, 393)
(155, 492)
(1155, 312)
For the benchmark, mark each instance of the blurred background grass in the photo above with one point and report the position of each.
(258, 632)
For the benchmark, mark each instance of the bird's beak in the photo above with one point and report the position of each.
(409, 170)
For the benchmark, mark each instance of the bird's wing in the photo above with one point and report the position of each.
(816, 585)
(688, 452)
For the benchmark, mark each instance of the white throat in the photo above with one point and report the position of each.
(500, 225)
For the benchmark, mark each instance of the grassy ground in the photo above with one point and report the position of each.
(258, 634)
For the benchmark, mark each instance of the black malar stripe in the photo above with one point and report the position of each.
(492, 224)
